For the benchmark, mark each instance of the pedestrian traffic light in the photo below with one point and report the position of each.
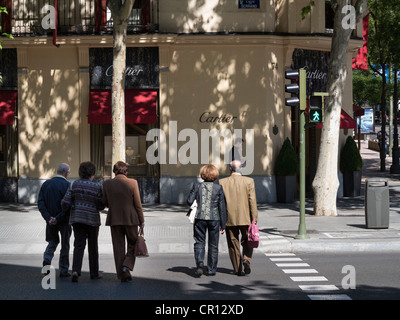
(297, 88)
(316, 114)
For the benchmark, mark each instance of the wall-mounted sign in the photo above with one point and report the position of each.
(141, 68)
(249, 4)
(316, 65)
(208, 117)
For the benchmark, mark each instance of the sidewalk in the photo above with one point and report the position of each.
(167, 230)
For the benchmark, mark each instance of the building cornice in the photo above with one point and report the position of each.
(306, 41)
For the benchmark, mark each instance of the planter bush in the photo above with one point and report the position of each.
(286, 163)
(286, 169)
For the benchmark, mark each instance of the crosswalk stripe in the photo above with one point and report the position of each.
(329, 297)
(320, 287)
(309, 278)
(292, 264)
(285, 259)
(299, 271)
(280, 254)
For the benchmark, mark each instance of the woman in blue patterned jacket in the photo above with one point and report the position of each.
(85, 198)
(210, 215)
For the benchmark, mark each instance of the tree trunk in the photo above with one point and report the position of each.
(382, 148)
(120, 13)
(326, 183)
(118, 93)
(395, 168)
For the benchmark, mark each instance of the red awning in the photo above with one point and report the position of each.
(140, 106)
(361, 61)
(8, 103)
(358, 111)
(346, 122)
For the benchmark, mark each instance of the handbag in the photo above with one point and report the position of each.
(191, 214)
(253, 237)
(192, 211)
(141, 247)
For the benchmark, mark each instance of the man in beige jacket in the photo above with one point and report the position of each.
(241, 209)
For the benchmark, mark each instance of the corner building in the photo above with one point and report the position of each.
(195, 69)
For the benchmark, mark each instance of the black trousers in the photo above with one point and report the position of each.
(81, 233)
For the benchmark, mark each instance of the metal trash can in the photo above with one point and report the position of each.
(377, 203)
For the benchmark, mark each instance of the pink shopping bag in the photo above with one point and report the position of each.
(253, 235)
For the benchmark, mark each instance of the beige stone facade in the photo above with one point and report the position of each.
(220, 67)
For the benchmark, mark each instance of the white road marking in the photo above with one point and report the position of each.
(294, 264)
(308, 278)
(299, 271)
(318, 287)
(329, 297)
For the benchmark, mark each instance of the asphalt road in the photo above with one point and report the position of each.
(168, 277)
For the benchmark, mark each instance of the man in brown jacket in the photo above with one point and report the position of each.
(241, 209)
(125, 215)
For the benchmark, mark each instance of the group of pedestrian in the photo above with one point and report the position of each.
(225, 207)
(228, 207)
(76, 206)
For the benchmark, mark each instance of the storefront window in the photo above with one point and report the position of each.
(141, 109)
(135, 151)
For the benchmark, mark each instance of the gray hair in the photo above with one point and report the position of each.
(62, 168)
(236, 166)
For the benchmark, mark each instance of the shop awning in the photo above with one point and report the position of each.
(361, 61)
(8, 103)
(358, 111)
(346, 122)
(140, 106)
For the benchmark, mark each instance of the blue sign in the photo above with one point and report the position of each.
(367, 121)
(249, 4)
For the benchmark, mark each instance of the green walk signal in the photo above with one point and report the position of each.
(316, 116)
(316, 113)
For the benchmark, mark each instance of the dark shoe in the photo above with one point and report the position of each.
(74, 276)
(246, 265)
(239, 273)
(211, 274)
(65, 275)
(126, 275)
(199, 270)
(46, 263)
(99, 276)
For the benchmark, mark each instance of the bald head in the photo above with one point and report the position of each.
(63, 169)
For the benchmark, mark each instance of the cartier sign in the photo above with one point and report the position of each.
(141, 68)
(316, 65)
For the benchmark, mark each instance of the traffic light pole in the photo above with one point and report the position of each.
(302, 233)
(298, 89)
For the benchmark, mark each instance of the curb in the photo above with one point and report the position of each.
(327, 246)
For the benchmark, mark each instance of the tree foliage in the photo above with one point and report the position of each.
(384, 34)
(384, 49)
(367, 88)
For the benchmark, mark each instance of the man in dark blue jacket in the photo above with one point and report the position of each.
(49, 204)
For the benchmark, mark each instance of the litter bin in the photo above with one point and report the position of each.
(377, 203)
